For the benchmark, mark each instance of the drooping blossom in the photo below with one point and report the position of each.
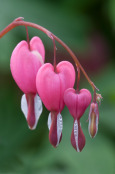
(26, 59)
(93, 119)
(77, 104)
(51, 85)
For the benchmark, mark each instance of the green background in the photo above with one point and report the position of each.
(88, 28)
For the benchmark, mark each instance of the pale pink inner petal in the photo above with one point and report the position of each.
(37, 44)
(38, 55)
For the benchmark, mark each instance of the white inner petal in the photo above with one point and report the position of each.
(49, 121)
(59, 127)
(76, 134)
(37, 109)
(36, 53)
(24, 106)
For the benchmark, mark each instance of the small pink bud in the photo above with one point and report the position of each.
(77, 136)
(93, 119)
(25, 63)
(77, 102)
(51, 86)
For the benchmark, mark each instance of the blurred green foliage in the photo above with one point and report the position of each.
(29, 152)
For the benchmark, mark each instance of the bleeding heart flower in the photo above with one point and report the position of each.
(51, 86)
(77, 104)
(93, 119)
(25, 63)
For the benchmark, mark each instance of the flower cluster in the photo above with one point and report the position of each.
(54, 85)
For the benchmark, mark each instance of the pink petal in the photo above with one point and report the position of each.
(36, 44)
(25, 64)
(51, 85)
(77, 103)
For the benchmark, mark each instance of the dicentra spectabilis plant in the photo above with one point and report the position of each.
(52, 85)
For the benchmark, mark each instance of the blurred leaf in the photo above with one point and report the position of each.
(110, 8)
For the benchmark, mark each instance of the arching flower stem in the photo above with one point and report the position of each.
(28, 41)
(78, 79)
(54, 45)
(19, 22)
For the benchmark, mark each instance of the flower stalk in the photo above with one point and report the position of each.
(54, 45)
(28, 40)
(19, 22)
(78, 79)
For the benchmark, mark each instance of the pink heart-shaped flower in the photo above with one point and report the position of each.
(25, 64)
(51, 86)
(77, 102)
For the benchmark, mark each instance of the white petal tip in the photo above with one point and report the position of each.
(59, 127)
(76, 135)
(36, 108)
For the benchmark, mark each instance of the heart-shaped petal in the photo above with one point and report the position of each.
(25, 64)
(77, 102)
(51, 85)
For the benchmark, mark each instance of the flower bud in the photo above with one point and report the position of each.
(93, 119)
(98, 98)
